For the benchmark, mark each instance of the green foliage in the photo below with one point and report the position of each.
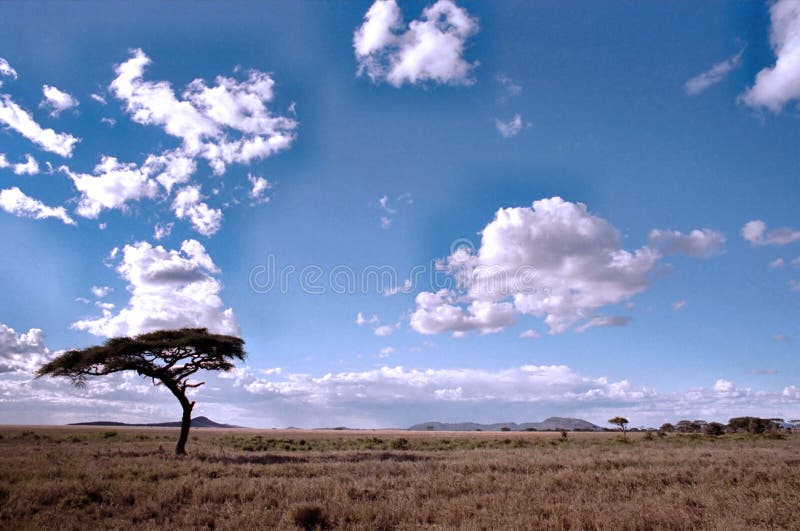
(753, 425)
(667, 428)
(715, 429)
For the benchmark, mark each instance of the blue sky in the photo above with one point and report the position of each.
(644, 157)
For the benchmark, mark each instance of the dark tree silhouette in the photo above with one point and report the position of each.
(622, 422)
(168, 357)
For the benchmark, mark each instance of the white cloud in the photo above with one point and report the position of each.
(162, 230)
(22, 353)
(259, 188)
(603, 320)
(756, 233)
(406, 287)
(188, 204)
(13, 201)
(699, 243)
(101, 291)
(556, 261)
(4, 161)
(113, 184)
(56, 101)
(361, 320)
(21, 121)
(778, 263)
(529, 334)
(713, 75)
(782, 338)
(509, 86)
(430, 49)
(392, 207)
(384, 330)
(385, 352)
(226, 123)
(98, 98)
(170, 168)
(510, 128)
(6, 69)
(776, 86)
(169, 289)
(29, 167)
(439, 312)
(679, 305)
(794, 285)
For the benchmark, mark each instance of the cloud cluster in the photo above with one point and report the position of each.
(430, 49)
(113, 184)
(6, 70)
(22, 353)
(555, 261)
(188, 204)
(777, 85)
(169, 289)
(713, 75)
(15, 202)
(56, 101)
(225, 123)
(756, 233)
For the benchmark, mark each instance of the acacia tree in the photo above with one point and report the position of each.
(167, 357)
(622, 422)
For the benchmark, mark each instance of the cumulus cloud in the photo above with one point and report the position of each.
(510, 128)
(440, 312)
(22, 353)
(699, 243)
(555, 261)
(22, 122)
(29, 167)
(679, 305)
(56, 101)
(169, 289)
(15, 202)
(430, 49)
(778, 263)
(225, 123)
(188, 204)
(113, 184)
(713, 75)
(779, 84)
(101, 292)
(756, 233)
(529, 334)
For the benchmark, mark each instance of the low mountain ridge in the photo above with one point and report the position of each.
(549, 424)
(197, 422)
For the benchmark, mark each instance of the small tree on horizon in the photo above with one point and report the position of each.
(167, 357)
(622, 422)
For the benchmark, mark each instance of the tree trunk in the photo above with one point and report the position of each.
(186, 423)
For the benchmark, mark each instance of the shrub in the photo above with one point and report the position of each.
(309, 516)
(715, 429)
(399, 444)
(109, 434)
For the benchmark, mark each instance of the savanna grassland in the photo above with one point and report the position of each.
(82, 478)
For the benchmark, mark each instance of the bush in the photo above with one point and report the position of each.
(715, 429)
(309, 516)
(399, 444)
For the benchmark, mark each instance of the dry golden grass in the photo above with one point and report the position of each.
(80, 478)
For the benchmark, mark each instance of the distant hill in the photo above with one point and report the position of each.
(552, 423)
(197, 422)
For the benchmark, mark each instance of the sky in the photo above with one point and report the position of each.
(410, 211)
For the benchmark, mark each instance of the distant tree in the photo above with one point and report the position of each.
(750, 424)
(666, 428)
(167, 357)
(622, 422)
(715, 429)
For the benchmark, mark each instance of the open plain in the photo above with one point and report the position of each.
(89, 477)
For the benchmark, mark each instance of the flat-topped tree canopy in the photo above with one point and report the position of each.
(168, 357)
